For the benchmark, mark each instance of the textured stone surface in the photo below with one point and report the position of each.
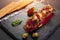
(4, 36)
(43, 32)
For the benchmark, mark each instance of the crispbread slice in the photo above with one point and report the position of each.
(7, 9)
(13, 6)
(21, 4)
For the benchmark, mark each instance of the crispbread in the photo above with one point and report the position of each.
(13, 6)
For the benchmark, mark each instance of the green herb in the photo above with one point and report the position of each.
(16, 22)
(35, 10)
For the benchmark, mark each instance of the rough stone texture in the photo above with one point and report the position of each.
(4, 36)
(43, 32)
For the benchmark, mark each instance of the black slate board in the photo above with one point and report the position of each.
(22, 15)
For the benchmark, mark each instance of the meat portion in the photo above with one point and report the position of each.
(39, 19)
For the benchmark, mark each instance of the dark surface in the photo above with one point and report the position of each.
(55, 36)
(4, 36)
